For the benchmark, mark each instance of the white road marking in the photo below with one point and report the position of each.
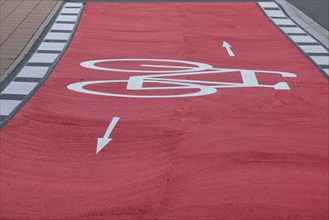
(228, 48)
(279, 21)
(43, 58)
(313, 49)
(39, 71)
(73, 4)
(321, 60)
(20, 88)
(7, 106)
(52, 46)
(66, 27)
(194, 87)
(293, 30)
(275, 13)
(102, 142)
(67, 18)
(57, 36)
(71, 10)
(33, 71)
(195, 66)
(303, 39)
(268, 4)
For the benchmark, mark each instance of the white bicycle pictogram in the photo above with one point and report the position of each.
(163, 71)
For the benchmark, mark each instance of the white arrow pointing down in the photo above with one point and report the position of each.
(102, 142)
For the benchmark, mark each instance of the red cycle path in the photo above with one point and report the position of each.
(241, 153)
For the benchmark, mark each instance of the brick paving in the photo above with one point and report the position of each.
(19, 21)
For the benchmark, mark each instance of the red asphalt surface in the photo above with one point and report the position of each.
(240, 153)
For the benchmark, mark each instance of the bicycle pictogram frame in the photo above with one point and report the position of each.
(161, 73)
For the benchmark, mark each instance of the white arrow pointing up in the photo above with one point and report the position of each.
(228, 48)
(102, 142)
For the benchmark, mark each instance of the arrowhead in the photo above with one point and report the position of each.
(225, 44)
(101, 143)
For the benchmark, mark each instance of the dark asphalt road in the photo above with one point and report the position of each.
(318, 10)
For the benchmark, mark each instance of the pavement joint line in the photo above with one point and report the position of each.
(274, 17)
(38, 64)
(287, 25)
(26, 79)
(54, 41)
(73, 7)
(75, 14)
(319, 54)
(297, 34)
(31, 76)
(49, 51)
(271, 8)
(307, 43)
(60, 31)
(65, 22)
(11, 97)
(316, 53)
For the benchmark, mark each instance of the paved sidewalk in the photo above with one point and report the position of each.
(20, 20)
